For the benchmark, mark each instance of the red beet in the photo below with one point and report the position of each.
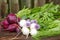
(18, 19)
(12, 27)
(18, 30)
(0, 27)
(5, 24)
(12, 18)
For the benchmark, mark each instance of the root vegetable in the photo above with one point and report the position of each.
(33, 32)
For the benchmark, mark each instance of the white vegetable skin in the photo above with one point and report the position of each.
(22, 23)
(37, 26)
(32, 26)
(25, 31)
(33, 32)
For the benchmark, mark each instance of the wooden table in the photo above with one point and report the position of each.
(5, 35)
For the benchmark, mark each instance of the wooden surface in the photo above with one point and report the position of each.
(5, 35)
(7, 6)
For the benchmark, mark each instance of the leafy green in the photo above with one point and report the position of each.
(23, 13)
(54, 24)
(35, 10)
(50, 32)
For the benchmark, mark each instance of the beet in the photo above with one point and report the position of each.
(12, 18)
(18, 30)
(12, 27)
(0, 27)
(5, 24)
(18, 19)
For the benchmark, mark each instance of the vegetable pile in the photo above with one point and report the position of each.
(13, 23)
(47, 16)
(29, 27)
(38, 22)
(10, 23)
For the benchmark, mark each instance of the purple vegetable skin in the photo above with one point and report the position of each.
(0, 27)
(33, 21)
(12, 18)
(12, 27)
(28, 23)
(18, 30)
(37, 26)
(5, 23)
(18, 19)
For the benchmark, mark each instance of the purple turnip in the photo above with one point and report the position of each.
(34, 26)
(28, 23)
(33, 21)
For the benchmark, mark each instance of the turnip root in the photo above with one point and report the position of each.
(25, 31)
(33, 32)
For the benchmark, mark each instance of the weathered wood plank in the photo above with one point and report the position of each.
(9, 6)
(35, 3)
(56, 1)
(14, 6)
(19, 4)
(28, 3)
(32, 3)
(48, 1)
(0, 9)
(4, 8)
(39, 3)
(23, 4)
